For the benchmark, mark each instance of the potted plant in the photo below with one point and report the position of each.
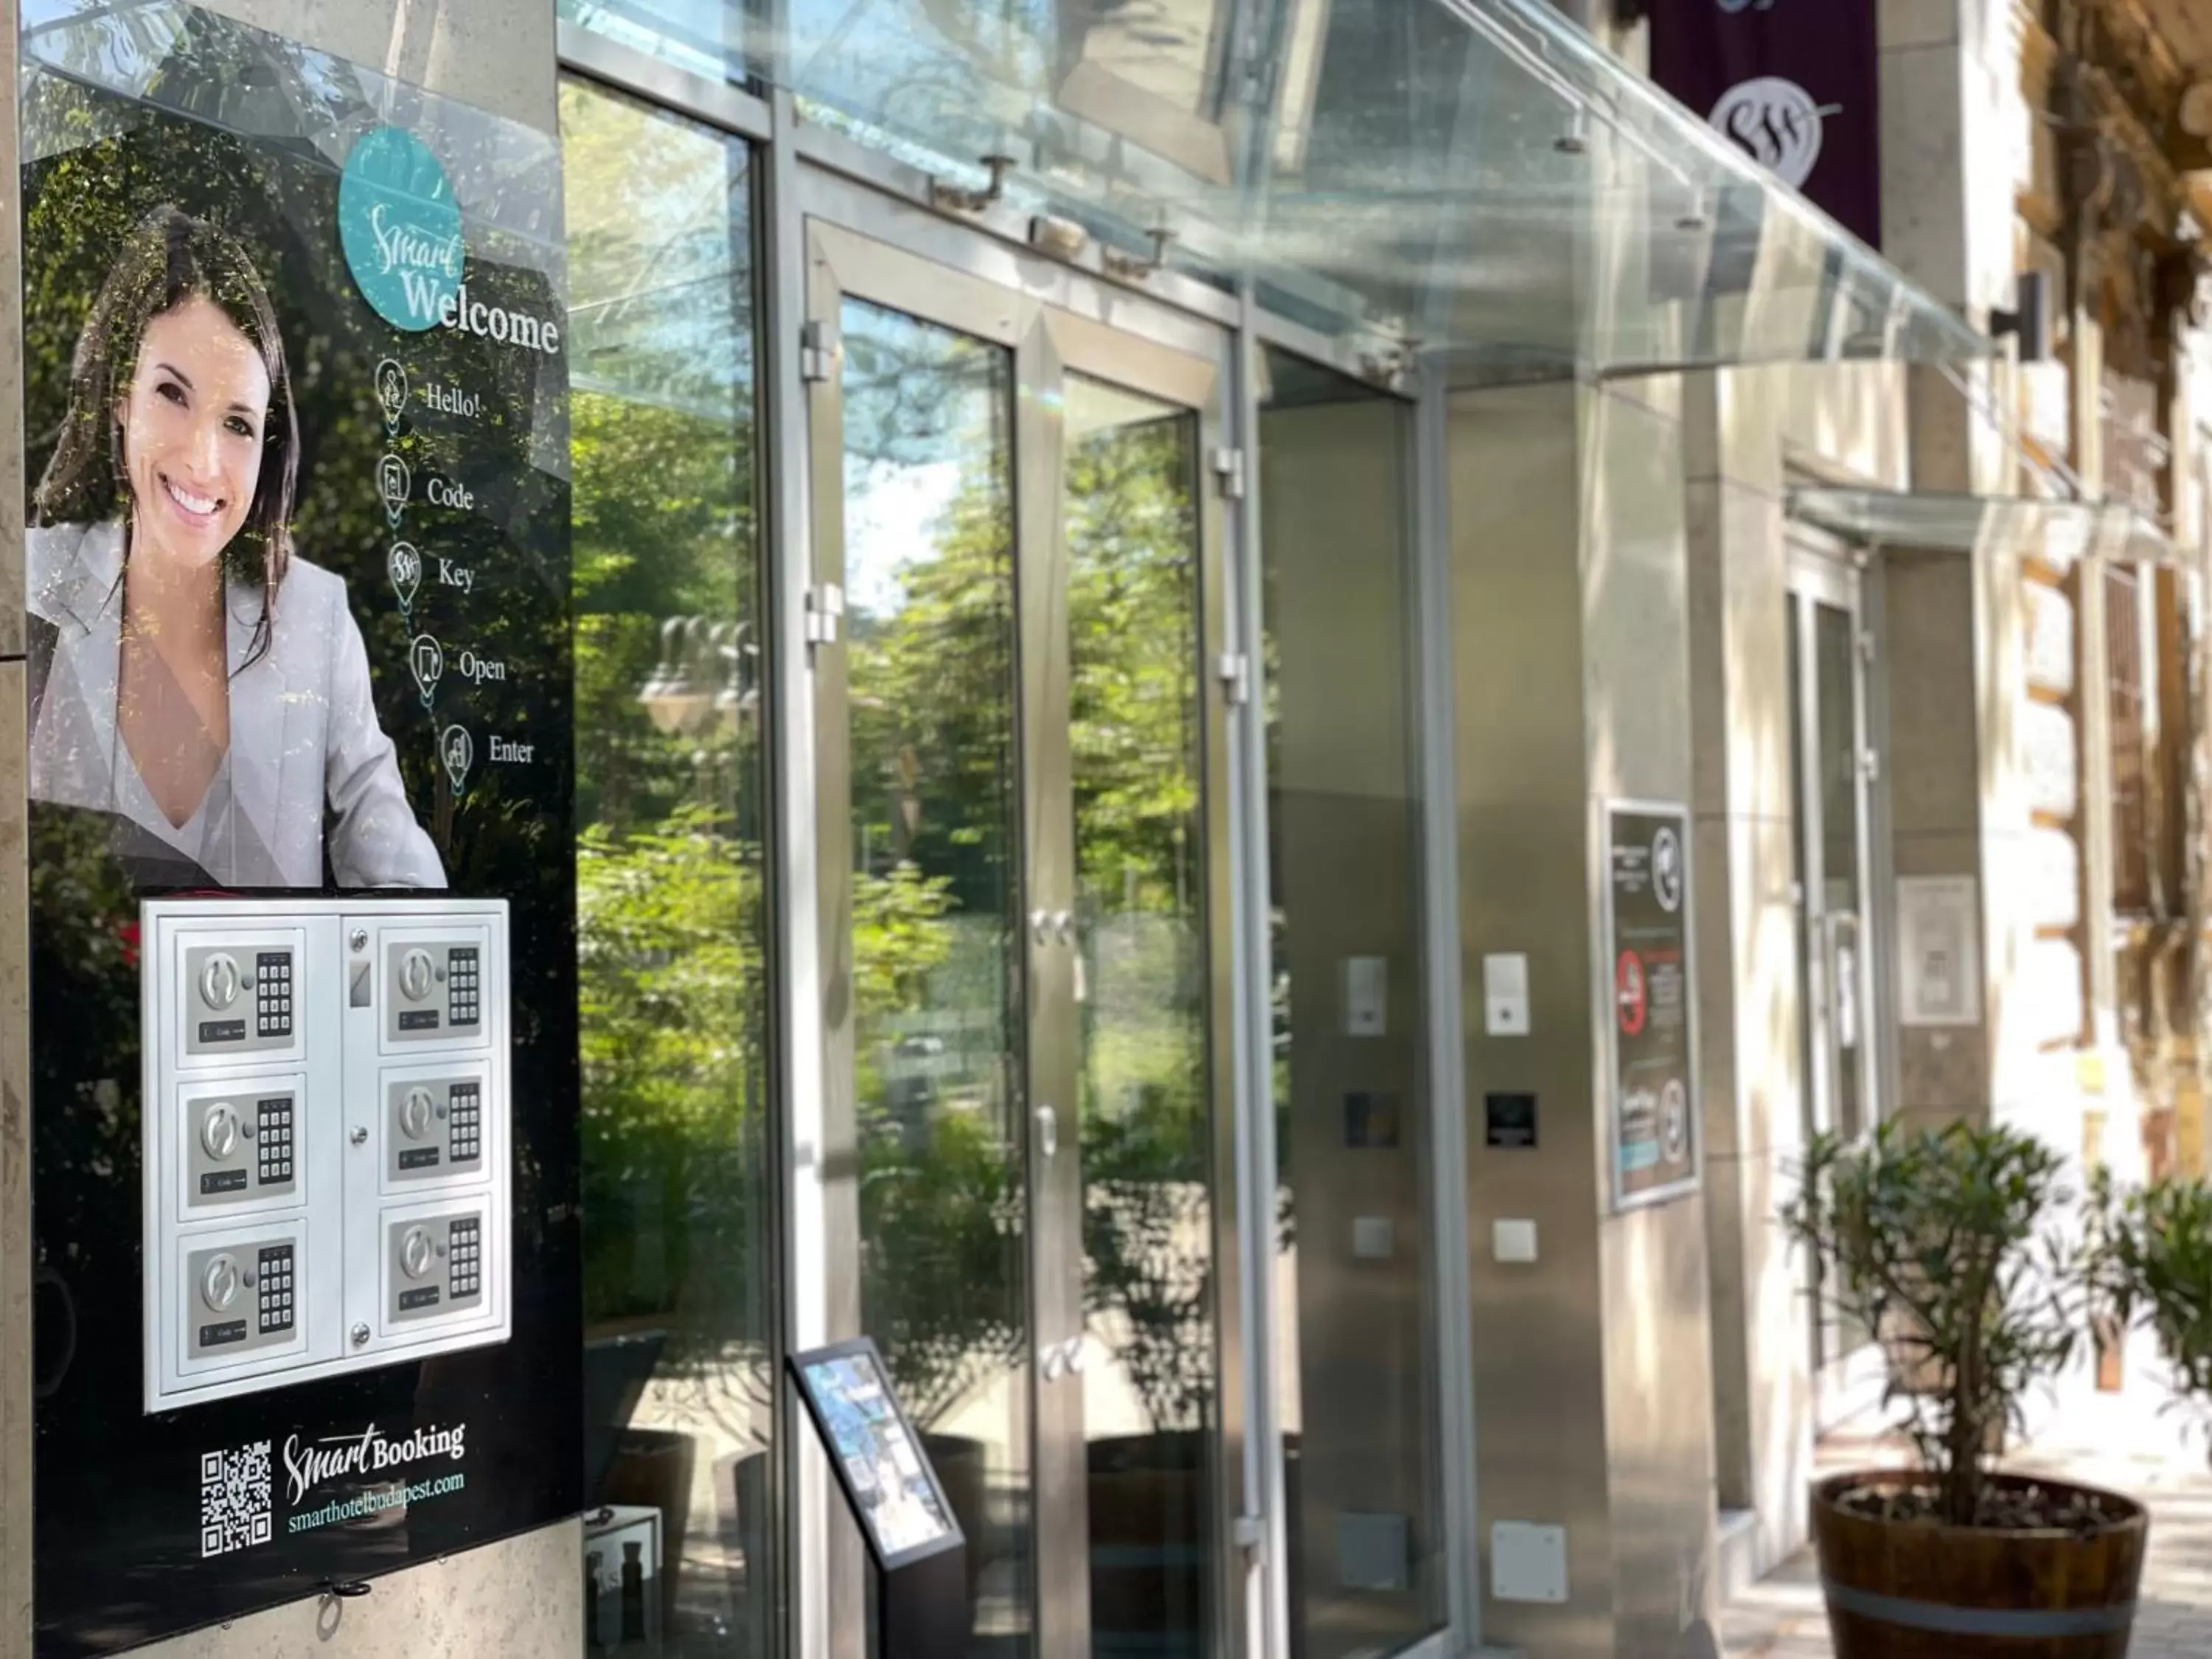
(2151, 1253)
(1949, 1244)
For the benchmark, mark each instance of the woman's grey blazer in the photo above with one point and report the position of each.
(308, 763)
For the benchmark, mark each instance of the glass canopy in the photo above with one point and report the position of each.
(2058, 531)
(1477, 176)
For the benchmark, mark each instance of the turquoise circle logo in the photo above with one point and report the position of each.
(401, 229)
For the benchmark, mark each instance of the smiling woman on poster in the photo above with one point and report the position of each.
(192, 677)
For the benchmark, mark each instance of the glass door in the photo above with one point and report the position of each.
(1023, 891)
(1833, 767)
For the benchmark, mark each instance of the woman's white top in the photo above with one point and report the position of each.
(214, 837)
(308, 761)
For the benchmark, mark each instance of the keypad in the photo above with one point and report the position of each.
(464, 1257)
(463, 986)
(272, 1140)
(465, 1121)
(272, 993)
(273, 1285)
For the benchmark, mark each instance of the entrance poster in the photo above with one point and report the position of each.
(296, 551)
(1652, 1070)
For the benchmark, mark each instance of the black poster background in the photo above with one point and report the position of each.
(1703, 50)
(1647, 962)
(117, 1492)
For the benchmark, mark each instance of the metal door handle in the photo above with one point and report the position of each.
(1842, 969)
(1059, 1359)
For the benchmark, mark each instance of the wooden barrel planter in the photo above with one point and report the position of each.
(1914, 1589)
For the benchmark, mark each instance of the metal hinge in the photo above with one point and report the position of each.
(1228, 467)
(825, 613)
(1870, 765)
(1236, 671)
(1866, 645)
(814, 355)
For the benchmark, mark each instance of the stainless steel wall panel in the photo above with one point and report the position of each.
(1593, 1364)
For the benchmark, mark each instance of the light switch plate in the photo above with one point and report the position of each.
(1528, 1562)
(1372, 1552)
(1366, 996)
(1505, 994)
(1373, 1238)
(1513, 1241)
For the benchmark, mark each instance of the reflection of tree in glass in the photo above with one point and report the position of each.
(931, 670)
(671, 1064)
(1135, 718)
(671, 944)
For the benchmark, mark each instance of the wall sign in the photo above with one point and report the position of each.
(297, 406)
(1646, 970)
(1939, 957)
(1795, 84)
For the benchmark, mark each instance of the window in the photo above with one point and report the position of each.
(1355, 1384)
(2131, 826)
(675, 1177)
(705, 37)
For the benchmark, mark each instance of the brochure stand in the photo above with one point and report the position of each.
(914, 1540)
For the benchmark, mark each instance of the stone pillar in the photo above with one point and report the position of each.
(1745, 428)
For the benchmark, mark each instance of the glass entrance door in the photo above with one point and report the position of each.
(1831, 768)
(1023, 906)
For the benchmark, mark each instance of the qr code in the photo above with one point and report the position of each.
(234, 1499)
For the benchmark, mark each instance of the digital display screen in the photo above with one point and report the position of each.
(878, 1458)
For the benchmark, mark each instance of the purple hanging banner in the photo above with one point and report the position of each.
(1792, 83)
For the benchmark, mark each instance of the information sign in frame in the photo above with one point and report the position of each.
(1622, 1196)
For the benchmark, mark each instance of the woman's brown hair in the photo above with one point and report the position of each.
(169, 258)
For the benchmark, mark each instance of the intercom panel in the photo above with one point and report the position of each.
(326, 1138)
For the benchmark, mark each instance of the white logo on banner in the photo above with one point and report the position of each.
(1775, 123)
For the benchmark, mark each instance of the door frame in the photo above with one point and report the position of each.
(1823, 571)
(1053, 323)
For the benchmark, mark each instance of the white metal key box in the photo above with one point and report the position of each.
(325, 1138)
